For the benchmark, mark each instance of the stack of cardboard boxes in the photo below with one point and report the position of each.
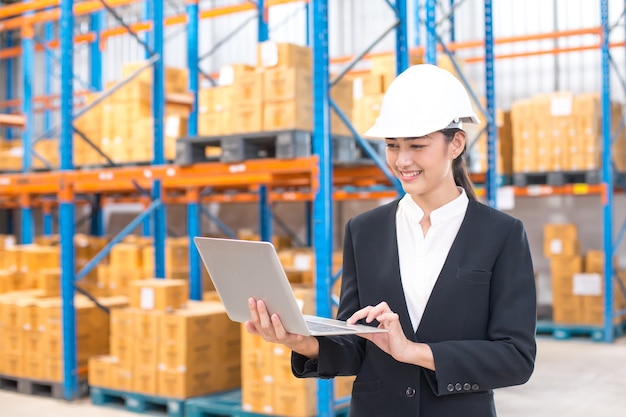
(276, 94)
(562, 132)
(268, 385)
(577, 280)
(11, 155)
(164, 345)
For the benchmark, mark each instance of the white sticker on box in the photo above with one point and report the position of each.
(146, 298)
(357, 88)
(587, 284)
(302, 262)
(556, 246)
(172, 126)
(269, 54)
(561, 106)
(227, 75)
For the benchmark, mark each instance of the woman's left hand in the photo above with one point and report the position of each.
(393, 342)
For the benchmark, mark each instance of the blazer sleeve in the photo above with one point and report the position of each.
(338, 355)
(506, 356)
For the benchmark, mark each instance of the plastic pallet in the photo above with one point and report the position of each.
(31, 386)
(226, 404)
(138, 403)
(556, 178)
(566, 332)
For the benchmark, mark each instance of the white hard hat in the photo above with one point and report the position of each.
(422, 100)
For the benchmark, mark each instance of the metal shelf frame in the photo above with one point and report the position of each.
(315, 179)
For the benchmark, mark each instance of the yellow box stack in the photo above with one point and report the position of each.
(268, 386)
(178, 353)
(562, 132)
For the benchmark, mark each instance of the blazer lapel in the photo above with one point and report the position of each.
(437, 299)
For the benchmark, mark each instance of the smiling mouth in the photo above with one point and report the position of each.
(410, 175)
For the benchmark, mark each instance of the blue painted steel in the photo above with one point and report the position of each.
(28, 65)
(266, 229)
(368, 148)
(402, 42)
(263, 29)
(491, 181)
(158, 218)
(417, 35)
(322, 203)
(95, 55)
(48, 35)
(452, 19)
(158, 100)
(192, 65)
(223, 228)
(66, 208)
(9, 84)
(116, 239)
(620, 236)
(193, 229)
(47, 223)
(607, 176)
(97, 221)
(430, 56)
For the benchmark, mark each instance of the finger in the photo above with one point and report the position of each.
(251, 328)
(377, 311)
(388, 318)
(264, 317)
(254, 313)
(279, 329)
(361, 314)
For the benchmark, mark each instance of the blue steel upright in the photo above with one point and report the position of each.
(95, 81)
(322, 203)
(28, 66)
(607, 176)
(491, 181)
(430, 55)
(417, 36)
(193, 209)
(158, 112)
(66, 205)
(48, 34)
(265, 213)
(8, 81)
(402, 42)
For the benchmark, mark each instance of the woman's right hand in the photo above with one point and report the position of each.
(271, 329)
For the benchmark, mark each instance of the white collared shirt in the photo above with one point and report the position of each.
(422, 258)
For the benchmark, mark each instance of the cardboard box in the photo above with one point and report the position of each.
(288, 114)
(257, 396)
(288, 83)
(159, 294)
(247, 117)
(100, 368)
(145, 353)
(122, 349)
(296, 402)
(121, 377)
(191, 383)
(127, 256)
(272, 54)
(257, 364)
(145, 380)
(53, 368)
(13, 364)
(561, 240)
(248, 86)
(33, 367)
(146, 324)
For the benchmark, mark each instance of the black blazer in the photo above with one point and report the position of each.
(479, 320)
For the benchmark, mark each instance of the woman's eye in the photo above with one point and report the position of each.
(417, 146)
(392, 145)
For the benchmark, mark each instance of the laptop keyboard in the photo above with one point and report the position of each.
(326, 328)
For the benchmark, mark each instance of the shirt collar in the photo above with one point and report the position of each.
(454, 208)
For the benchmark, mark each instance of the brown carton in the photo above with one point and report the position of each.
(159, 294)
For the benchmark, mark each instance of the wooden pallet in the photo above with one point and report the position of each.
(138, 403)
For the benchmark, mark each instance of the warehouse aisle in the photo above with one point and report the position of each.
(572, 378)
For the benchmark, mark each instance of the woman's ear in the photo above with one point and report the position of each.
(457, 145)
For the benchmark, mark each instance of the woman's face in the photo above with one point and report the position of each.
(424, 164)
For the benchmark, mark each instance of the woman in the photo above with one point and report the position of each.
(449, 278)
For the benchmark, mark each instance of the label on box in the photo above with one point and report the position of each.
(269, 54)
(227, 75)
(302, 262)
(146, 298)
(587, 284)
(556, 246)
(357, 88)
(172, 126)
(561, 106)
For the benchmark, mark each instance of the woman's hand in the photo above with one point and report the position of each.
(393, 342)
(271, 329)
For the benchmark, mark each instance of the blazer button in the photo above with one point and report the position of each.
(466, 387)
(450, 387)
(410, 392)
(458, 386)
(475, 387)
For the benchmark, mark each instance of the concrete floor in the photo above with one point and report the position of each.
(574, 378)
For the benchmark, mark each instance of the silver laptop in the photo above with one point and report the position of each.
(241, 269)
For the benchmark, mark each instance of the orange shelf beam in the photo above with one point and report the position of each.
(12, 120)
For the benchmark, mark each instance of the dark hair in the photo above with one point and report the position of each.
(459, 167)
